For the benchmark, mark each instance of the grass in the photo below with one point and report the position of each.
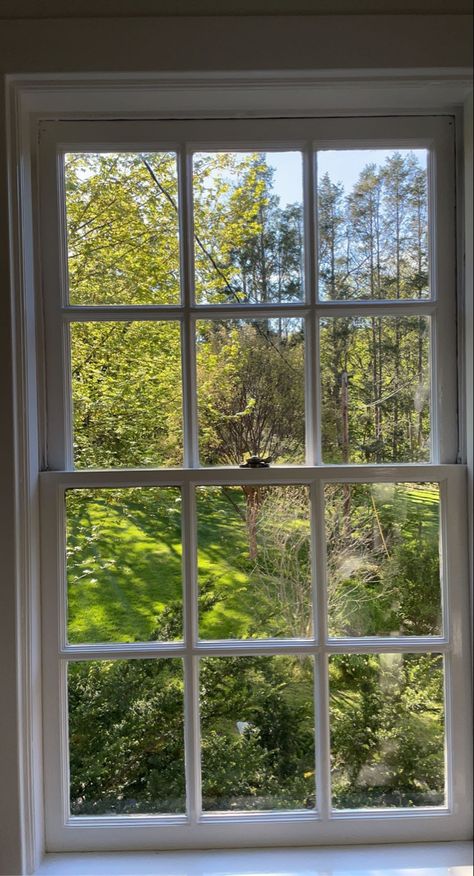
(124, 562)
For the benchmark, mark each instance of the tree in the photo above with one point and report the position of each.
(126, 380)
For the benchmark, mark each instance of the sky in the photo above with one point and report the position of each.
(342, 165)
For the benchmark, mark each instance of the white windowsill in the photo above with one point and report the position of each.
(427, 859)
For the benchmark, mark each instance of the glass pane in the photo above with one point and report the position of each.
(250, 378)
(254, 568)
(373, 224)
(124, 565)
(248, 227)
(126, 741)
(126, 392)
(383, 559)
(122, 228)
(387, 730)
(375, 376)
(257, 725)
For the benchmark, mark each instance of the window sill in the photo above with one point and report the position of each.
(429, 859)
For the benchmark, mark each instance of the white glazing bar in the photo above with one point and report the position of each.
(432, 207)
(156, 312)
(441, 180)
(399, 644)
(150, 822)
(311, 346)
(53, 699)
(316, 313)
(191, 683)
(228, 475)
(122, 313)
(458, 692)
(262, 817)
(223, 647)
(125, 313)
(443, 559)
(435, 425)
(242, 647)
(188, 354)
(448, 731)
(323, 756)
(54, 277)
(400, 307)
(62, 591)
(65, 747)
(376, 815)
(123, 650)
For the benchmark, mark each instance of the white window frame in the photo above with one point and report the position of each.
(450, 823)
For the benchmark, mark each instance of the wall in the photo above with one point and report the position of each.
(115, 8)
(374, 43)
(469, 311)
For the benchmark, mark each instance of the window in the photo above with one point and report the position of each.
(235, 651)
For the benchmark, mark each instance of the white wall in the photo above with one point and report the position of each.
(348, 43)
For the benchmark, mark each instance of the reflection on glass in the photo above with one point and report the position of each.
(250, 379)
(126, 392)
(257, 726)
(375, 383)
(124, 564)
(373, 224)
(122, 228)
(387, 730)
(248, 227)
(126, 742)
(383, 559)
(254, 568)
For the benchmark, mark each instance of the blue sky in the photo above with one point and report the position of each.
(343, 166)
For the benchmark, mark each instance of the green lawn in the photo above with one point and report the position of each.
(124, 565)
(124, 562)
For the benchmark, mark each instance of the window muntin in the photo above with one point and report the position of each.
(310, 310)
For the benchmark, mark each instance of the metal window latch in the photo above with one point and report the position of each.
(256, 462)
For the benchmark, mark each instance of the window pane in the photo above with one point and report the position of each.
(257, 725)
(375, 376)
(373, 224)
(126, 745)
(248, 226)
(250, 378)
(254, 566)
(387, 730)
(122, 227)
(126, 391)
(383, 559)
(124, 565)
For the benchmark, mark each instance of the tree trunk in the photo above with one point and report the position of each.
(345, 449)
(252, 499)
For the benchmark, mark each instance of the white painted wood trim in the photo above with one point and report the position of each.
(30, 98)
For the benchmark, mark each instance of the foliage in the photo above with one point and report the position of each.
(124, 546)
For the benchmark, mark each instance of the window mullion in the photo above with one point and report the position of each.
(188, 341)
(191, 662)
(311, 336)
(323, 757)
